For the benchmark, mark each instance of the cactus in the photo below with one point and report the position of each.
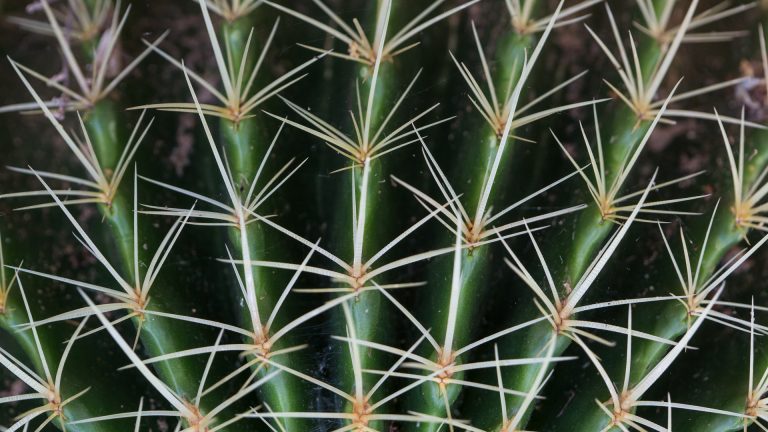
(385, 215)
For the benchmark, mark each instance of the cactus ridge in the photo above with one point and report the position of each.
(356, 247)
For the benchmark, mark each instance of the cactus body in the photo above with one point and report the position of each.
(428, 215)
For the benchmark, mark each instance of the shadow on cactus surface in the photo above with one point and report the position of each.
(384, 215)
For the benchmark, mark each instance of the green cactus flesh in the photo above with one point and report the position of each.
(391, 215)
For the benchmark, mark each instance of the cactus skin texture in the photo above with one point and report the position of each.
(391, 215)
